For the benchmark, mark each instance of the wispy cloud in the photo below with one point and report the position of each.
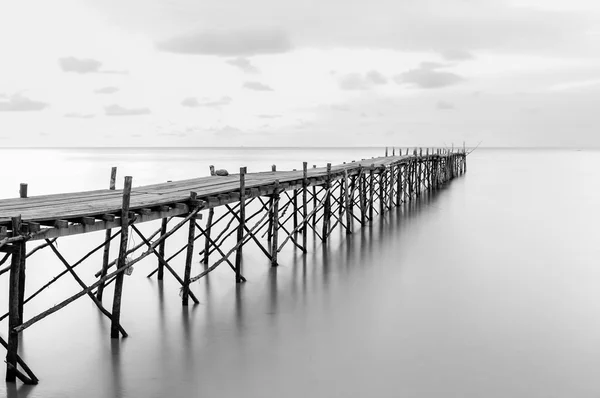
(106, 90)
(427, 76)
(230, 42)
(20, 103)
(192, 102)
(244, 64)
(79, 65)
(118, 110)
(357, 81)
(257, 86)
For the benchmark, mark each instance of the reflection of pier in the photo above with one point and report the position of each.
(271, 209)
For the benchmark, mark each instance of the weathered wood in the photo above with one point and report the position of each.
(371, 192)
(152, 250)
(116, 309)
(14, 319)
(209, 224)
(96, 301)
(275, 226)
(189, 255)
(327, 206)
(23, 190)
(304, 203)
(347, 204)
(241, 225)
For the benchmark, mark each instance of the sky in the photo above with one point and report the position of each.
(300, 73)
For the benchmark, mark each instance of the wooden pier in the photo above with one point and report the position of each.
(284, 206)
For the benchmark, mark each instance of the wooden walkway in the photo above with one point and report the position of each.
(66, 214)
(283, 204)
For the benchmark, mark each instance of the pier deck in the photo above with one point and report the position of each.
(66, 214)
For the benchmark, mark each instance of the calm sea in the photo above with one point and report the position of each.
(489, 288)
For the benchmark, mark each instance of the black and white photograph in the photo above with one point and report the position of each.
(300, 199)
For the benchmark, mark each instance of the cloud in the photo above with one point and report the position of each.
(244, 64)
(79, 65)
(77, 115)
(456, 55)
(106, 90)
(426, 76)
(375, 77)
(257, 86)
(193, 102)
(356, 81)
(245, 42)
(118, 110)
(269, 116)
(20, 103)
(190, 102)
(228, 131)
(444, 105)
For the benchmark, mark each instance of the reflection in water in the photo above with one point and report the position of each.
(115, 385)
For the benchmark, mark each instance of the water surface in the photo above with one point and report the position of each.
(490, 288)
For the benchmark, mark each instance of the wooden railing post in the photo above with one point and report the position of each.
(240, 230)
(116, 309)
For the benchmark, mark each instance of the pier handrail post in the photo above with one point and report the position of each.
(271, 202)
(106, 253)
(14, 317)
(23, 190)
(240, 230)
(116, 308)
(327, 209)
(189, 253)
(362, 195)
(304, 203)
(371, 188)
(347, 203)
(275, 225)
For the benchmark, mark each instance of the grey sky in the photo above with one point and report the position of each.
(357, 72)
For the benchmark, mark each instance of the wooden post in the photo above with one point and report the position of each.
(399, 185)
(390, 186)
(275, 225)
(161, 248)
(386, 152)
(116, 309)
(14, 318)
(189, 255)
(271, 199)
(295, 210)
(304, 203)
(361, 195)
(242, 223)
(314, 196)
(393, 151)
(347, 203)
(23, 190)
(327, 209)
(371, 193)
(107, 234)
(381, 191)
